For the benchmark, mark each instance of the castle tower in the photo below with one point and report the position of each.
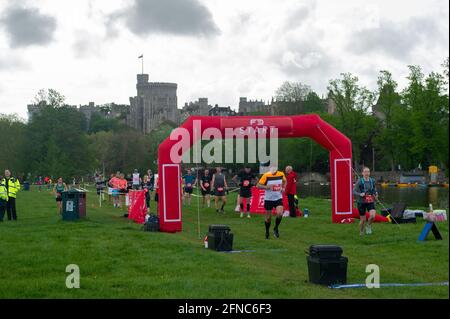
(155, 102)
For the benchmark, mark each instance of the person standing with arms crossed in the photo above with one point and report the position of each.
(12, 185)
(219, 184)
(273, 183)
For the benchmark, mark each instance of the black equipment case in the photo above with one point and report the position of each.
(220, 238)
(326, 265)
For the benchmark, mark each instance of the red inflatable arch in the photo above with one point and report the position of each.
(312, 126)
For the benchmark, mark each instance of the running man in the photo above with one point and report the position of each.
(274, 183)
(189, 182)
(366, 193)
(219, 186)
(246, 178)
(60, 187)
(205, 184)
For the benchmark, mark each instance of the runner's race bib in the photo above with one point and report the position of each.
(220, 189)
(246, 183)
(276, 188)
(369, 199)
(206, 185)
(189, 185)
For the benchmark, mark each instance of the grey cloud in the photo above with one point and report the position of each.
(396, 39)
(298, 16)
(10, 62)
(27, 26)
(86, 44)
(178, 17)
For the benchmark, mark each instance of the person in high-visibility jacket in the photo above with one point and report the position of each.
(3, 199)
(12, 185)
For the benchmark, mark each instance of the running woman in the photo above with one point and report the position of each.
(189, 182)
(205, 184)
(114, 183)
(366, 193)
(246, 178)
(123, 189)
(219, 184)
(274, 183)
(60, 187)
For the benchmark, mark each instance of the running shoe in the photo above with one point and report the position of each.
(276, 233)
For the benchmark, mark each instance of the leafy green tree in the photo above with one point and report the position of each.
(13, 137)
(49, 97)
(313, 104)
(388, 105)
(428, 103)
(57, 143)
(352, 104)
(292, 92)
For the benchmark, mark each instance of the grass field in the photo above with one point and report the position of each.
(118, 260)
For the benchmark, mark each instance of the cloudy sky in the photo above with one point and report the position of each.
(220, 49)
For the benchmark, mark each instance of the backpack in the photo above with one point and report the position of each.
(152, 223)
(362, 185)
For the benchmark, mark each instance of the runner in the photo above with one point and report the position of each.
(60, 187)
(114, 183)
(219, 186)
(246, 178)
(366, 193)
(189, 182)
(274, 183)
(110, 188)
(123, 189)
(205, 184)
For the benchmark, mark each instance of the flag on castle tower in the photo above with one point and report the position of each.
(141, 56)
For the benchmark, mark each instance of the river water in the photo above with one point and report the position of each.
(418, 196)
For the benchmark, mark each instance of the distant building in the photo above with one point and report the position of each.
(251, 106)
(154, 103)
(331, 106)
(222, 111)
(88, 110)
(200, 107)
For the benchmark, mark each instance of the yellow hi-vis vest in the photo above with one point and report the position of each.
(3, 192)
(13, 186)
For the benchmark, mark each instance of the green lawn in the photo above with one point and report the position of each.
(118, 260)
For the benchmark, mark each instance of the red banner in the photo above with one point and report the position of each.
(137, 209)
(257, 202)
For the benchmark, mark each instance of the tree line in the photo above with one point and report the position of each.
(395, 128)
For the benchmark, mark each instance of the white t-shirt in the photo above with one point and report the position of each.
(136, 180)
